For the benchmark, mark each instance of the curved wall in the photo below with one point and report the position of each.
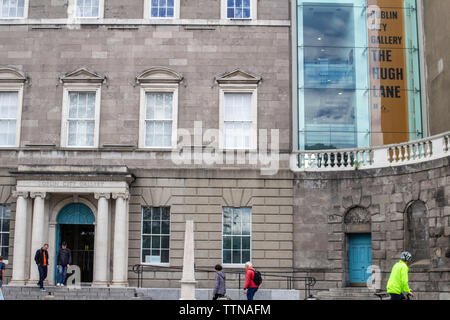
(320, 233)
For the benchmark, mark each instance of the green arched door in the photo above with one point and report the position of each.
(75, 226)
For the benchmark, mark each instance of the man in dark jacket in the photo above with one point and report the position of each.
(219, 283)
(64, 260)
(41, 258)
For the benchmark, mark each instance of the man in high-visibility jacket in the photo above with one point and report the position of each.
(398, 280)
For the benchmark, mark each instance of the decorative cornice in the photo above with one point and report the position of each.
(159, 75)
(12, 75)
(51, 23)
(82, 76)
(238, 76)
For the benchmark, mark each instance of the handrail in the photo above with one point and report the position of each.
(412, 152)
(309, 281)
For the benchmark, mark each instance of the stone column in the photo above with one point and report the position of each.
(20, 240)
(53, 249)
(37, 233)
(188, 282)
(120, 260)
(101, 241)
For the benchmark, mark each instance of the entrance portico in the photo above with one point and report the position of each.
(43, 192)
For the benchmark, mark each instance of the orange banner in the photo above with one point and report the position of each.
(388, 74)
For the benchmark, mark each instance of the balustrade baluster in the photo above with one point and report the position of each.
(423, 151)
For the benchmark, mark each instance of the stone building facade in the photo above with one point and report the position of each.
(118, 58)
(300, 222)
(331, 207)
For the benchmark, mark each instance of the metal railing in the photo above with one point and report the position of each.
(291, 280)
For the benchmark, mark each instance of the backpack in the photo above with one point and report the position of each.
(257, 278)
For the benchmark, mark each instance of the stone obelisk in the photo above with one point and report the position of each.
(188, 280)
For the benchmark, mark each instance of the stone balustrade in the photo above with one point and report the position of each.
(372, 158)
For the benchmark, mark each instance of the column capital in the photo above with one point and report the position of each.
(99, 195)
(41, 195)
(124, 195)
(23, 194)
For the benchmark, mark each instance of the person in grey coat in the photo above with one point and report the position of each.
(219, 283)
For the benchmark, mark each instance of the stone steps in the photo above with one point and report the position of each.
(347, 294)
(65, 293)
(88, 293)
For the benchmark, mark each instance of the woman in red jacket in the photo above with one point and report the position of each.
(250, 287)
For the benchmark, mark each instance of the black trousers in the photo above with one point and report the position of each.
(397, 297)
(42, 275)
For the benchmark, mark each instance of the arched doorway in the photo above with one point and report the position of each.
(75, 226)
(357, 224)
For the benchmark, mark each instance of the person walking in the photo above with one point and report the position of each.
(252, 281)
(41, 259)
(219, 283)
(64, 260)
(2, 271)
(398, 280)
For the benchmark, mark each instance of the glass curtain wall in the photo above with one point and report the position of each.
(358, 73)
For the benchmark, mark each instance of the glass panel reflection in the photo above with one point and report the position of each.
(330, 119)
(329, 68)
(328, 25)
(326, 67)
(365, 51)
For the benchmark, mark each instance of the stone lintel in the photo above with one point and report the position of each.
(72, 187)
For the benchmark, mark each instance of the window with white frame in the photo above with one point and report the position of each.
(238, 121)
(86, 8)
(13, 9)
(239, 9)
(158, 119)
(9, 105)
(236, 235)
(11, 98)
(81, 109)
(162, 8)
(81, 119)
(238, 110)
(155, 235)
(158, 108)
(5, 217)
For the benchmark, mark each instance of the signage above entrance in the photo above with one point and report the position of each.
(72, 187)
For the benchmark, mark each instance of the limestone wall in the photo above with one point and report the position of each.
(321, 201)
(201, 196)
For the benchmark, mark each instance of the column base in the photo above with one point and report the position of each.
(100, 284)
(32, 283)
(119, 284)
(16, 283)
